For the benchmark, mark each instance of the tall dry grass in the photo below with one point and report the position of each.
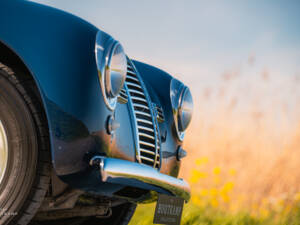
(246, 132)
(243, 150)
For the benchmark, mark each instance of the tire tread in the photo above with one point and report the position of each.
(27, 89)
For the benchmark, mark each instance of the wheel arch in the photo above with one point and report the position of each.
(13, 61)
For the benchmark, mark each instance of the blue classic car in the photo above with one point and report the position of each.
(86, 133)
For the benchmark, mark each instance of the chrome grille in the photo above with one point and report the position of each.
(148, 143)
(160, 114)
(123, 97)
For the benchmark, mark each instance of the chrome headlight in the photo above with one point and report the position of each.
(182, 105)
(112, 67)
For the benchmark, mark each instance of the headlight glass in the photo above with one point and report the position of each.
(116, 71)
(112, 67)
(182, 105)
(185, 110)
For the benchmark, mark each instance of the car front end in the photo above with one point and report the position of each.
(109, 131)
(144, 145)
(157, 125)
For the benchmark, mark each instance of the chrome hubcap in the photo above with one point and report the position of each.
(3, 151)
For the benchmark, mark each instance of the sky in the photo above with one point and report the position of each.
(199, 38)
(203, 42)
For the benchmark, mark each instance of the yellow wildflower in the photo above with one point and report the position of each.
(217, 170)
(196, 200)
(214, 202)
(204, 192)
(213, 192)
(201, 161)
(228, 187)
(196, 175)
(225, 197)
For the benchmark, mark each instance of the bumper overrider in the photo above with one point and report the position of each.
(140, 176)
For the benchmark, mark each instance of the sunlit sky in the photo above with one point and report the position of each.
(199, 38)
(237, 55)
(199, 41)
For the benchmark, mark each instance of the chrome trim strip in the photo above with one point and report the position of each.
(144, 121)
(131, 77)
(142, 106)
(142, 113)
(160, 114)
(129, 66)
(146, 135)
(113, 169)
(147, 144)
(147, 151)
(131, 73)
(133, 84)
(146, 128)
(147, 159)
(123, 96)
(137, 92)
(139, 99)
(135, 128)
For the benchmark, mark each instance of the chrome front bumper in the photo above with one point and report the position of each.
(137, 175)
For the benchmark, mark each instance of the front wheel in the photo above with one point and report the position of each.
(24, 149)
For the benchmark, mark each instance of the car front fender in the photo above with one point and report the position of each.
(59, 51)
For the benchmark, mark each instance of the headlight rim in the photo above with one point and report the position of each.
(104, 50)
(108, 83)
(183, 99)
(177, 94)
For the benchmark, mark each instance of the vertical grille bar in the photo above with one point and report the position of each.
(148, 142)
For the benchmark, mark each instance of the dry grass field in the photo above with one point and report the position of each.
(243, 151)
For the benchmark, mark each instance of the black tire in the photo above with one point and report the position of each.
(27, 175)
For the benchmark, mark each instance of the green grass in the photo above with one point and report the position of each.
(195, 215)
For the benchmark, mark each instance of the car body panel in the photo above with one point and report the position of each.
(160, 95)
(59, 51)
